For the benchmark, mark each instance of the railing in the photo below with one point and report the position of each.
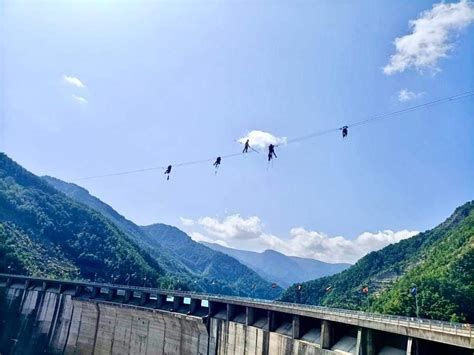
(412, 322)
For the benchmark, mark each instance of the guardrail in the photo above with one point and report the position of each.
(463, 329)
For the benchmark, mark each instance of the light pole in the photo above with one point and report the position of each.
(298, 293)
(414, 292)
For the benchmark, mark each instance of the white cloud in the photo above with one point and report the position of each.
(72, 80)
(407, 95)
(233, 226)
(432, 37)
(322, 247)
(79, 99)
(260, 139)
(198, 237)
(186, 221)
(248, 233)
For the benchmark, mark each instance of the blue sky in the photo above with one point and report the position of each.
(172, 81)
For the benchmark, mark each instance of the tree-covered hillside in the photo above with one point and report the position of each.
(189, 264)
(439, 263)
(82, 196)
(43, 232)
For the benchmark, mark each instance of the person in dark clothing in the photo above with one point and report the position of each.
(168, 172)
(217, 162)
(344, 130)
(246, 146)
(271, 152)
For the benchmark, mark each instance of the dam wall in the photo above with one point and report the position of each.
(34, 321)
(59, 324)
(65, 317)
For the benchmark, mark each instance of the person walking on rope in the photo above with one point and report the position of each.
(217, 163)
(344, 130)
(271, 152)
(246, 146)
(168, 172)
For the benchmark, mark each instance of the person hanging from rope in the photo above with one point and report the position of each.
(168, 172)
(246, 146)
(344, 130)
(271, 152)
(217, 163)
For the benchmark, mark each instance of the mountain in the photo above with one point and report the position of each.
(43, 232)
(210, 263)
(279, 268)
(439, 262)
(82, 196)
(209, 270)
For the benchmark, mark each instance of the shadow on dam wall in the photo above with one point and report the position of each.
(22, 327)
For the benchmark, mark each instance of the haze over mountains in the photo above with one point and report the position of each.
(279, 268)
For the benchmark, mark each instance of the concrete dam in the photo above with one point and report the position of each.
(69, 317)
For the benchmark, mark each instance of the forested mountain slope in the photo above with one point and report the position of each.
(190, 263)
(81, 195)
(439, 262)
(43, 232)
(282, 269)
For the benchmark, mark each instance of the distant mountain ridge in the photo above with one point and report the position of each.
(207, 269)
(210, 263)
(81, 195)
(282, 269)
(438, 262)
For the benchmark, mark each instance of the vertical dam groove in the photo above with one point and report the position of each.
(64, 317)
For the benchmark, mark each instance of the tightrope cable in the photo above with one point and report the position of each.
(368, 120)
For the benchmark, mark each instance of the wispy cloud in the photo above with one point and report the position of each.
(74, 81)
(261, 139)
(79, 99)
(432, 37)
(249, 233)
(186, 221)
(198, 237)
(407, 95)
